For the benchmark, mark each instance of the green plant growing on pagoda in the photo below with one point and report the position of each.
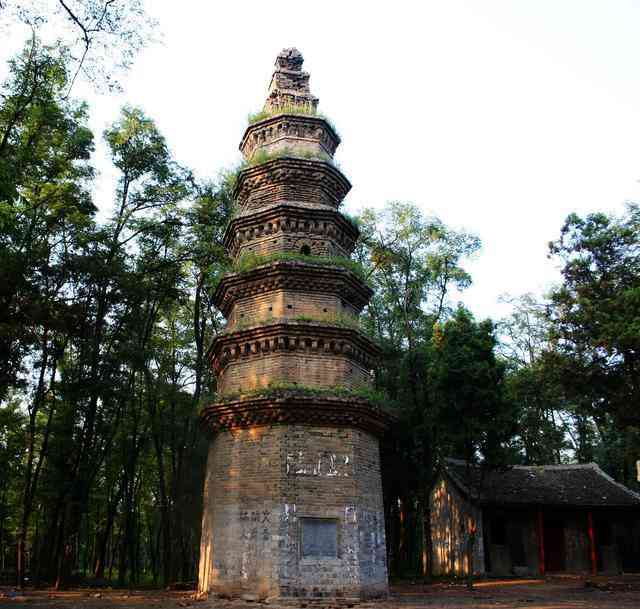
(249, 261)
(333, 319)
(375, 396)
(304, 109)
(264, 156)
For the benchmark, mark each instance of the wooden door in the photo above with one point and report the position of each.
(554, 545)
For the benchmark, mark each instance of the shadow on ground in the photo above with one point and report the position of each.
(555, 592)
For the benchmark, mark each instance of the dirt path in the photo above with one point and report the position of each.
(552, 593)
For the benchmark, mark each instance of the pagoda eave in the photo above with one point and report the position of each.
(288, 125)
(291, 275)
(269, 220)
(287, 335)
(290, 407)
(291, 178)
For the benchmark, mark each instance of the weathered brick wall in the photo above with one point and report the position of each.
(288, 304)
(307, 134)
(291, 179)
(287, 225)
(262, 481)
(313, 369)
(450, 515)
(294, 243)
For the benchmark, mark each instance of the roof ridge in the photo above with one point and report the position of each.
(607, 487)
(557, 466)
(590, 465)
(615, 482)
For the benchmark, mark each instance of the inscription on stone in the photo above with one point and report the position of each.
(319, 537)
(324, 464)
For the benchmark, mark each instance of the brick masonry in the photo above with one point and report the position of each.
(260, 484)
(293, 493)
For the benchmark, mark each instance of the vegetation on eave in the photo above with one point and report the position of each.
(249, 261)
(264, 156)
(261, 157)
(275, 388)
(302, 109)
(330, 319)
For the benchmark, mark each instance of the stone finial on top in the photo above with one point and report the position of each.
(289, 84)
(290, 59)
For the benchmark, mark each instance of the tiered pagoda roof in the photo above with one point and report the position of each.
(292, 316)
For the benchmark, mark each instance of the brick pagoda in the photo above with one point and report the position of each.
(293, 495)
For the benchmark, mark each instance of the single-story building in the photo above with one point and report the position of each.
(532, 520)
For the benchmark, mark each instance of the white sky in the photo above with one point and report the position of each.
(501, 117)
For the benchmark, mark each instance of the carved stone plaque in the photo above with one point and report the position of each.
(319, 537)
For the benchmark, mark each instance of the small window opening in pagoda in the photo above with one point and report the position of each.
(305, 250)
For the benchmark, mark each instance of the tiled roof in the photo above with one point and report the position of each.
(561, 485)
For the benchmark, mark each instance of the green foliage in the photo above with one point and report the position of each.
(95, 38)
(111, 320)
(45, 205)
(249, 261)
(340, 321)
(264, 156)
(467, 381)
(595, 313)
(376, 397)
(413, 262)
(304, 109)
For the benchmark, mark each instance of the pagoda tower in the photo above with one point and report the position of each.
(293, 493)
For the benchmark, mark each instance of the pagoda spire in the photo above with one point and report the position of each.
(289, 85)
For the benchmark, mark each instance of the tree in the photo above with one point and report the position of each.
(595, 314)
(102, 339)
(99, 39)
(414, 262)
(44, 210)
(44, 199)
(475, 420)
(532, 382)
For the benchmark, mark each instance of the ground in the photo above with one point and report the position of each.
(567, 592)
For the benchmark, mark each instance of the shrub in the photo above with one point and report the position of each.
(249, 261)
(307, 110)
(376, 397)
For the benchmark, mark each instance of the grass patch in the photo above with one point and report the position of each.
(303, 109)
(249, 261)
(376, 397)
(263, 156)
(341, 321)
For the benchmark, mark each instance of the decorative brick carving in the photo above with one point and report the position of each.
(292, 335)
(310, 135)
(280, 227)
(291, 179)
(293, 276)
(291, 408)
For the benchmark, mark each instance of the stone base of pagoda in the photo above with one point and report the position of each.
(293, 510)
